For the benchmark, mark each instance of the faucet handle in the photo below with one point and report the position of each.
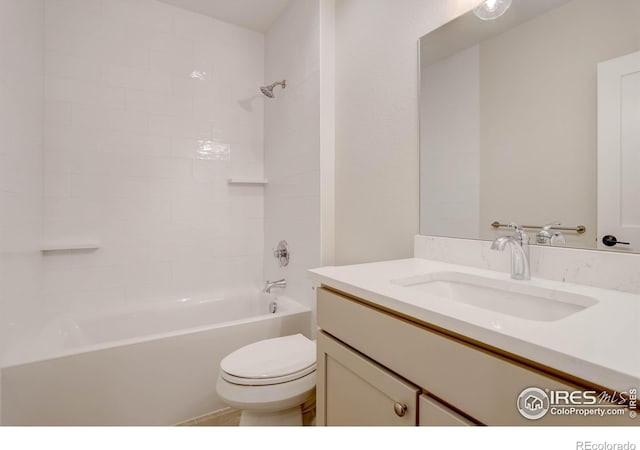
(515, 226)
(558, 239)
(519, 232)
(544, 236)
(548, 226)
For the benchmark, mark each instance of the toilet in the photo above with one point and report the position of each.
(271, 381)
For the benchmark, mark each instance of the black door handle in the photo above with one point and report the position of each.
(610, 240)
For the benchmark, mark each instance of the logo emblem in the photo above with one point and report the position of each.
(533, 403)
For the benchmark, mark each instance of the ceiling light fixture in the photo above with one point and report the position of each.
(491, 9)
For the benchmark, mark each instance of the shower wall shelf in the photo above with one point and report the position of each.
(248, 181)
(58, 246)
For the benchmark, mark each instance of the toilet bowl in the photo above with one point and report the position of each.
(271, 381)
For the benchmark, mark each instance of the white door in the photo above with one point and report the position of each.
(619, 152)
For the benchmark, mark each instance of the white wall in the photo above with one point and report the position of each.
(450, 146)
(377, 123)
(138, 153)
(21, 90)
(328, 130)
(292, 146)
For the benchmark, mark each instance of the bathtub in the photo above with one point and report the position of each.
(139, 366)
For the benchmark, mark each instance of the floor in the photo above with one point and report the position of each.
(225, 418)
(231, 418)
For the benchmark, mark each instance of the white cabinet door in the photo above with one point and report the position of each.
(619, 151)
(435, 414)
(352, 390)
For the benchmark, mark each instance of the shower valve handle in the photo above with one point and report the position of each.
(282, 253)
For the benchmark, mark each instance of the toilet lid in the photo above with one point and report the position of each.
(282, 358)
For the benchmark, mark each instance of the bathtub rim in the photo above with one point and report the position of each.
(292, 307)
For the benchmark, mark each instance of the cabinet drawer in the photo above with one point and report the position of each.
(483, 385)
(353, 390)
(435, 414)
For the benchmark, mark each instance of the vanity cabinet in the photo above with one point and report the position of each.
(357, 391)
(369, 359)
(435, 414)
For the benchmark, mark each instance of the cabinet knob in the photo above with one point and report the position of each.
(400, 409)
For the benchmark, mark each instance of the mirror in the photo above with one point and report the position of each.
(534, 118)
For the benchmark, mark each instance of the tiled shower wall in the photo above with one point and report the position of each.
(20, 165)
(21, 94)
(292, 147)
(149, 110)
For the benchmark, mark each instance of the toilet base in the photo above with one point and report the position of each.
(291, 417)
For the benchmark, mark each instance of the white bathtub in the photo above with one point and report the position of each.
(138, 367)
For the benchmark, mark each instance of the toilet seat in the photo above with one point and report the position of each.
(269, 362)
(267, 381)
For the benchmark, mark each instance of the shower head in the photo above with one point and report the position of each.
(268, 90)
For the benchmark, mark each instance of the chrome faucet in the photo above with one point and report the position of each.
(519, 244)
(277, 284)
(546, 237)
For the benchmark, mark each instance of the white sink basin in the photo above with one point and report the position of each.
(514, 298)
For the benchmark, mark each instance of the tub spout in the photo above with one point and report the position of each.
(277, 284)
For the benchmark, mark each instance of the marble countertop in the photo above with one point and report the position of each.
(600, 344)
